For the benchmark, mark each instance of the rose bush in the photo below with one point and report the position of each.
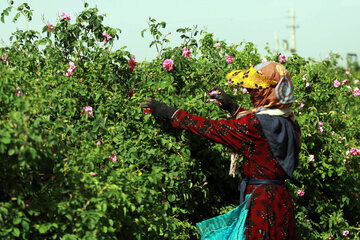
(81, 160)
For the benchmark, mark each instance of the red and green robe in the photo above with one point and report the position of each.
(271, 215)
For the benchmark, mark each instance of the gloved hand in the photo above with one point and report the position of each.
(225, 100)
(159, 110)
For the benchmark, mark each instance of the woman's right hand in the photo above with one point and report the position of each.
(224, 100)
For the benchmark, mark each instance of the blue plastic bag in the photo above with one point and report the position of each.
(229, 226)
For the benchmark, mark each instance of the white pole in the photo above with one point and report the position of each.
(293, 46)
(276, 42)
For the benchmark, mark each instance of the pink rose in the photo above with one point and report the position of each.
(356, 92)
(345, 82)
(244, 90)
(321, 123)
(356, 81)
(131, 93)
(50, 27)
(93, 174)
(229, 59)
(132, 63)
(282, 58)
(345, 233)
(307, 84)
(71, 69)
(168, 64)
(354, 151)
(88, 110)
(235, 90)
(107, 37)
(218, 45)
(72, 65)
(148, 110)
(348, 73)
(4, 57)
(98, 143)
(213, 100)
(336, 83)
(301, 105)
(311, 158)
(65, 16)
(113, 157)
(185, 52)
(321, 130)
(214, 92)
(300, 192)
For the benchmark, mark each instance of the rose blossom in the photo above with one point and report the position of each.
(88, 110)
(4, 57)
(218, 45)
(132, 63)
(148, 110)
(185, 52)
(301, 105)
(107, 37)
(214, 92)
(345, 233)
(71, 69)
(113, 157)
(356, 92)
(50, 27)
(336, 83)
(244, 90)
(229, 59)
(354, 151)
(282, 58)
(65, 16)
(300, 192)
(345, 82)
(311, 158)
(168, 64)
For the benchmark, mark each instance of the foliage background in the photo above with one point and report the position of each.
(58, 183)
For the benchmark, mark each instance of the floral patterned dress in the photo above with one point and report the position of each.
(271, 215)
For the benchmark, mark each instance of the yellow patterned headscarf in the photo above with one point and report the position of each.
(250, 78)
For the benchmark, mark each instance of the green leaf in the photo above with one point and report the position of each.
(16, 17)
(16, 221)
(171, 197)
(44, 228)
(25, 225)
(15, 232)
(11, 152)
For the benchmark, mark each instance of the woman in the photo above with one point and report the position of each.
(267, 136)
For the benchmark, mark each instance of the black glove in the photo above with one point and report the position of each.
(159, 110)
(225, 100)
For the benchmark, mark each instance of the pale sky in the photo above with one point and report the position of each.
(324, 26)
